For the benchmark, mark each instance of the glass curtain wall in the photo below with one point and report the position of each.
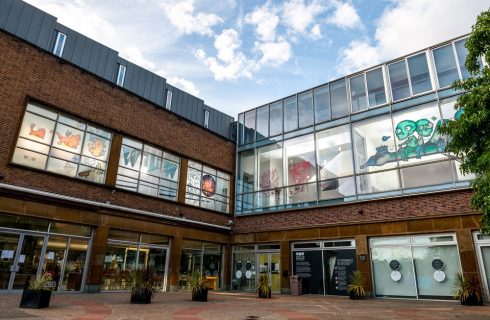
(204, 257)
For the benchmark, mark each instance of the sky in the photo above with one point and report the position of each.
(241, 54)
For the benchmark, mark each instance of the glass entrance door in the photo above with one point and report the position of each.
(8, 248)
(27, 260)
(269, 264)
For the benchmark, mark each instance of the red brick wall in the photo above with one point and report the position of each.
(28, 72)
(429, 205)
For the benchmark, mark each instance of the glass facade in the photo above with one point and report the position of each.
(415, 266)
(61, 144)
(148, 170)
(204, 257)
(207, 187)
(384, 148)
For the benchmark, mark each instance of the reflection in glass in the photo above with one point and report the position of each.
(8, 248)
(376, 87)
(400, 88)
(75, 264)
(275, 118)
(322, 104)
(334, 153)
(270, 173)
(246, 172)
(262, 122)
(290, 114)
(338, 99)
(29, 258)
(447, 71)
(244, 273)
(378, 182)
(249, 126)
(462, 53)
(419, 73)
(337, 188)
(305, 109)
(54, 259)
(358, 93)
(427, 175)
(119, 261)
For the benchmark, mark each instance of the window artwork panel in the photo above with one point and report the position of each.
(374, 145)
(417, 136)
(170, 170)
(130, 158)
(30, 159)
(96, 147)
(151, 164)
(68, 138)
(62, 167)
(37, 128)
(194, 178)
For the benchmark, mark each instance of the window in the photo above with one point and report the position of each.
(447, 71)
(400, 88)
(418, 70)
(59, 44)
(376, 87)
(321, 100)
(54, 142)
(207, 187)
(206, 119)
(270, 175)
(120, 75)
(262, 122)
(148, 170)
(249, 126)
(358, 93)
(290, 114)
(338, 99)
(305, 109)
(461, 53)
(275, 118)
(168, 103)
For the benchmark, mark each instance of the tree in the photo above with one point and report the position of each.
(470, 135)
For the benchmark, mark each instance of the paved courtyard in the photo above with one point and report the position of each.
(236, 306)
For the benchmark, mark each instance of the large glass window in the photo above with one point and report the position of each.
(270, 175)
(61, 144)
(461, 53)
(338, 99)
(322, 104)
(203, 257)
(148, 170)
(249, 126)
(241, 124)
(400, 88)
(447, 71)
(290, 114)
(305, 109)
(275, 118)
(358, 93)
(301, 169)
(419, 73)
(246, 172)
(376, 87)
(207, 187)
(262, 122)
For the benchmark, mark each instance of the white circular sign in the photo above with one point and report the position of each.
(238, 274)
(248, 274)
(439, 276)
(396, 275)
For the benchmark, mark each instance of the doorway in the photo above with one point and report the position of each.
(269, 264)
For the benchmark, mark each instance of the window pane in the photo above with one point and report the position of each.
(416, 134)
(399, 80)
(305, 108)
(170, 170)
(241, 124)
(275, 118)
(419, 73)
(250, 126)
(269, 198)
(151, 164)
(302, 193)
(378, 182)
(334, 153)
(338, 96)
(246, 172)
(447, 71)
(300, 155)
(427, 175)
(290, 114)
(262, 122)
(37, 128)
(358, 93)
(376, 87)
(270, 167)
(462, 52)
(374, 146)
(322, 104)
(130, 158)
(337, 188)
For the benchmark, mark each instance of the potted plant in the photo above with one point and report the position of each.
(356, 287)
(264, 289)
(36, 295)
(142, 288)
(199, 289)
(467, 290)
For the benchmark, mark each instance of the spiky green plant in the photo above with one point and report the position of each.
(40, 282)
(197, 282)
(264, 289)
(357, 284)
(142, 281)
(467, 290)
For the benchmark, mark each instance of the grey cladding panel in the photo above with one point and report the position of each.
(13, 18)
(46, 32)
(5, 7)
(161, 91)
(24, 22)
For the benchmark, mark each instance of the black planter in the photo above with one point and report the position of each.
(353, 296)
(200, 296)
(35, 299)
(141, 296)
(473, 300)
(265, 295)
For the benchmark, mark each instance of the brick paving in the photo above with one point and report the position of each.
(233, 306)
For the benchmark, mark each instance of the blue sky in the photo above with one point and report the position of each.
(240, 54)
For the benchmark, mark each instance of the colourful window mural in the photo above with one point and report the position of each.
(61, 144)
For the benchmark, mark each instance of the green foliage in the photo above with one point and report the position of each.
(357, 284)
(197, 282)
(142, 281)
(470, 135)
(467, 290)
(264, 289)
(40, 282)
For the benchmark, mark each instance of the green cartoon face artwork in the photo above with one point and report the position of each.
(405, 129)
(424, 127)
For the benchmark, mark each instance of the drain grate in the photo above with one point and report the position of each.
(251, 317)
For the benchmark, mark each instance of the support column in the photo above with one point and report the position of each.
(228, 267)
(285, 266)
(363, 262)
(467, 253)
(96, 264)
(174, 265)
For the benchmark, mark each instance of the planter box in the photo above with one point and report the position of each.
(201, 296)
(35, 299)
(472, 300)
(352, 296)
(140, 297)
(265, 296)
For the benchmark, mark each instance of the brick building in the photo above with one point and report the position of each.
(106, 168)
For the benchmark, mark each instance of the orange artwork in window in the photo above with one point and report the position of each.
(39, 133)
(69, 140)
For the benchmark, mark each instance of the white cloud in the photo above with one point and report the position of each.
(410, 25)
(345, 16)
(265, 20)
(274, 53)
(182, 16)
(184, 84)
(298, 17)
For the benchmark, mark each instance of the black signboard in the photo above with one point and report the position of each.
(339, 265)
(308, 266)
